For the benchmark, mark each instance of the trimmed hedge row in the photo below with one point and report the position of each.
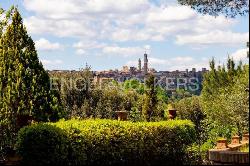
(106, 142)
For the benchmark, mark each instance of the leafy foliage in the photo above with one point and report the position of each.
(43, 141)
(191, 109)
(224, 98)
(222, 110)
(107, 142)
(230, 8)
(73, 90)
(24, 84)
(179, 95)
(102, 101)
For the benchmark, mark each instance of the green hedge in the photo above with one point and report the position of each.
(106, 142)
(43, 144)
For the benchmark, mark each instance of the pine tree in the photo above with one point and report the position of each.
(24, 84)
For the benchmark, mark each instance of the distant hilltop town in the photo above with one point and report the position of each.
(140, 73)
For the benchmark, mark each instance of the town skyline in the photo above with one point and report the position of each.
(139, 67)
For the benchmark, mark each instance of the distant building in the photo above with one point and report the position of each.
(102, 80)
(132, 70)
(194, 72)
(145, 68)
(152, 70)
(139, 65)
(125, 69)
(127, 73)
(204, 70)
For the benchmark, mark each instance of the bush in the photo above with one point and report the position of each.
(43, 144)
(107, 142)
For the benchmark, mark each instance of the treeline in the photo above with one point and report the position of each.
(82, 98)
(225, 96)
(222, 110)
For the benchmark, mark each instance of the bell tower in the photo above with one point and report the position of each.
(145, 63)
(139, 65)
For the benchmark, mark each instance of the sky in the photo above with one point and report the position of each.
(109, 34)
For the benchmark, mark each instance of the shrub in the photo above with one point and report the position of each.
(43, 144)
(107, 142)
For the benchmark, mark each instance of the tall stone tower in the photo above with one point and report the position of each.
(145, 63)
(139, 65)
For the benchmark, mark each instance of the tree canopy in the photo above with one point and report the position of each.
(24, 83)
(229, 8)
(224, 98)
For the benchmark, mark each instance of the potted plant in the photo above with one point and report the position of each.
(122, 115)
(221, 143)
(245, 138)
(172, 111)
(235, 140)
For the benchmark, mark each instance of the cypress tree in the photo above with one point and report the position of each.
(150, 100)
(24, 84)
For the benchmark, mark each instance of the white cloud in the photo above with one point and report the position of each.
(82, 47)
(156, 61)
(123, 35)
(128, 20)
(111, 6)
(147, 48)
(161, 23)
(45, 45)
(52, 8)
(132, 63)
(60, 28)
(171, 13)
(213, 38)
(207, 22)
(93, 21)
(240, 55)
(51, 62)
(88, 45)
(58, 9)
(182, 60)
(80, 52)
(123, 51)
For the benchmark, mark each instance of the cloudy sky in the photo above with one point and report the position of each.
(108, 34)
